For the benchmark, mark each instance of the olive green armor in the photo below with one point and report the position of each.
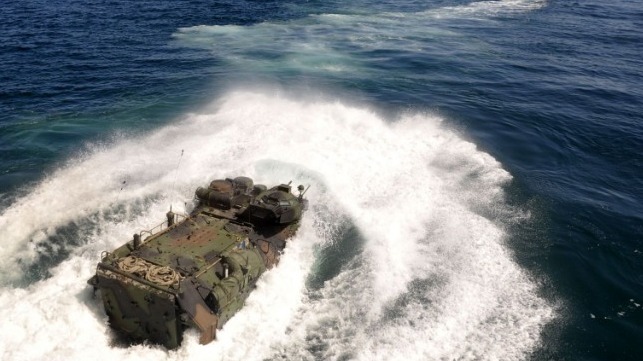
(197, 270)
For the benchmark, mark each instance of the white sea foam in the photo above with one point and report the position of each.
(434, 281)
(481, 9)
(345, 44)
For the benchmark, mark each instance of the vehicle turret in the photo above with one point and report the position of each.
(275, 206)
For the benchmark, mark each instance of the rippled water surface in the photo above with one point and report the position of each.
(476, 170)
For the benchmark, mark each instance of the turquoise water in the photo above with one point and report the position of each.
(476, 170)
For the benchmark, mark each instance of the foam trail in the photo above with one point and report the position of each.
(434, 279)
(347, 44)
(488, 9)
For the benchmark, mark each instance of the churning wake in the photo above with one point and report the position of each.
(430, 277)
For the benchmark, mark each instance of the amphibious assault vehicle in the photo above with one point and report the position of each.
(196, 270)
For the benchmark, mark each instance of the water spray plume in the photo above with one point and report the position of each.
(428, 266)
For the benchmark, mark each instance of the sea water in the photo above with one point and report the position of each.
(475, 171)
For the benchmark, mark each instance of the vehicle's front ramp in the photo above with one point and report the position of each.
(138, 309)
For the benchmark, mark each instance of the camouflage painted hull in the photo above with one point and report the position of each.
(197, 271)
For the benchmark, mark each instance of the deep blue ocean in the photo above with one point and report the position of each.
(476, 170)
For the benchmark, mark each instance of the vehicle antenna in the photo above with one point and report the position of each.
(301, 194)
(176, 171)
(123, 185)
